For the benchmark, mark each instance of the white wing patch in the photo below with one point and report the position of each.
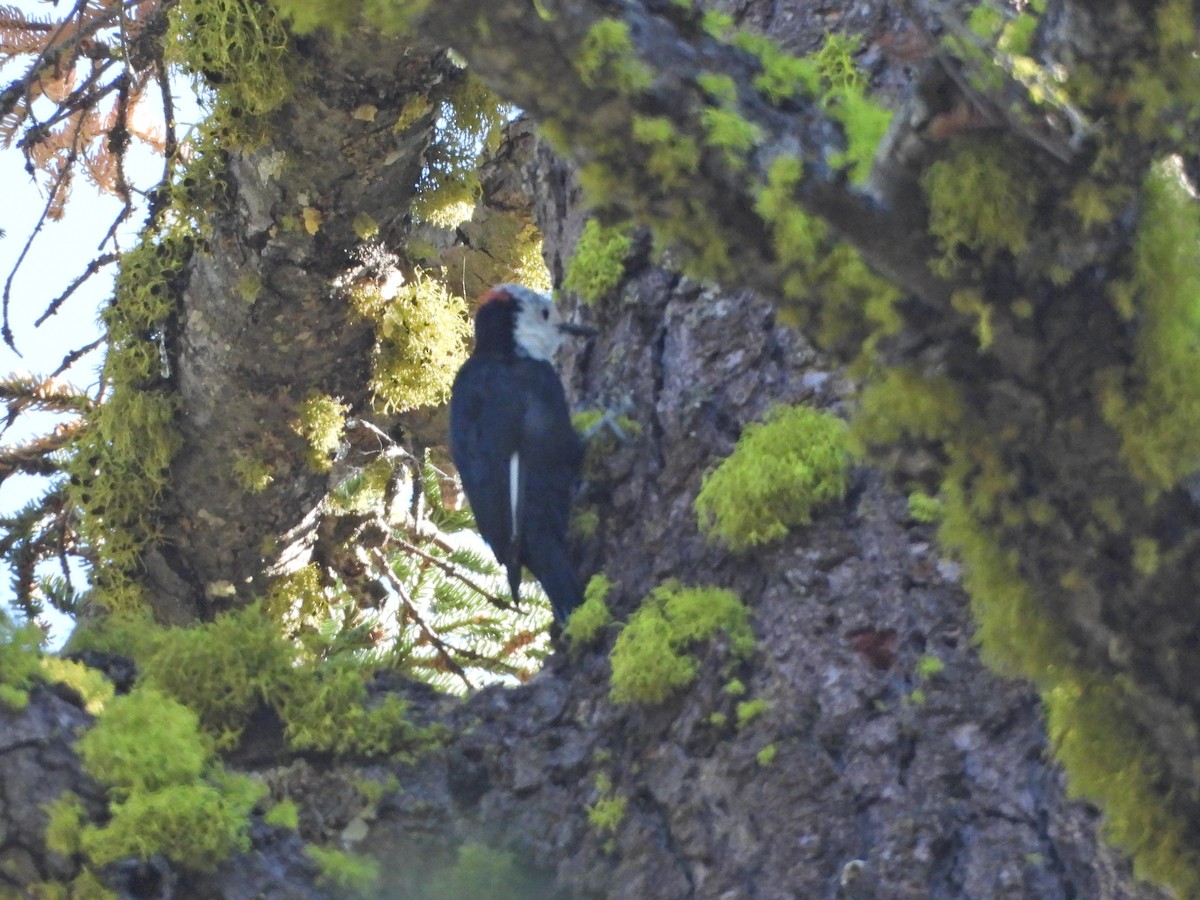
(514, 489)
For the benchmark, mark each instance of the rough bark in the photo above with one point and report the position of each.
(245, 366)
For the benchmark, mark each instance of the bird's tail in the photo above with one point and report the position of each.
(549, 564)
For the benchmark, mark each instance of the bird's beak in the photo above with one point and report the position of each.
(577, 330)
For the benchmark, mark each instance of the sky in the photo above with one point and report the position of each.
(59, 253)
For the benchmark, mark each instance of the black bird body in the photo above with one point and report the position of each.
(513, 443)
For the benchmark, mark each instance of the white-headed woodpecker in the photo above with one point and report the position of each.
(512, 440)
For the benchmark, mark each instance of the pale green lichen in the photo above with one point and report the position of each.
(253, 474)
(240, 47)
(468, 123)
(420, 344)
(321, 421)
(780, 472)
(651, 658)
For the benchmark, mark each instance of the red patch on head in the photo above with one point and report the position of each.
(494, 294)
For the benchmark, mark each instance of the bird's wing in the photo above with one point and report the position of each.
(485, 425)
(550, 449)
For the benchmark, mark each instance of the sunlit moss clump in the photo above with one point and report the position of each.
(19, 662)
(239, 46)
(350, 874)
(420, 344)
(167, 794)
(652, 658)
(598, 263)
(592, 615)
(321, 421)
(1158, 414)
(780, 471)
(607, 813)
(468, 123)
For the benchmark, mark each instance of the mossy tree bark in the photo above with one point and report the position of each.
(867, 775)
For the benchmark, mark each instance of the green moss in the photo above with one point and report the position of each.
(783, 76)
(606, 814)
(903, 404)
(239, 47)
(928, 666)
(354, 875)
(195, 825)
(84, 886)
(249, 286)
(284, 814)
(1107, 763)
(735, 687)
(20, 663)
(321, 421)
(145, 741)
(749, 710)
(834, 296)
(365, 227)
(1156, 408)
(67, 818)
(607, 56)
(731, 134)
(229, 669)
(970, 303)
(835, 63)
(864, 122)
(168, 795)
(924, 508)
(598, 263)
(481, 871)
(766, 756)
(467, 123)
(673, 158)
(720, 88)
(119, 462)
(420, 344)
(90, 684)
(252, 473)
(592, 615)
(1145, 556)
(651, 658)
(795, 235)
(780, 471)
(415, 108)
(223, 670)
(980, 204)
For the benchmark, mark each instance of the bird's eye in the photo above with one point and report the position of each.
(545, 314)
